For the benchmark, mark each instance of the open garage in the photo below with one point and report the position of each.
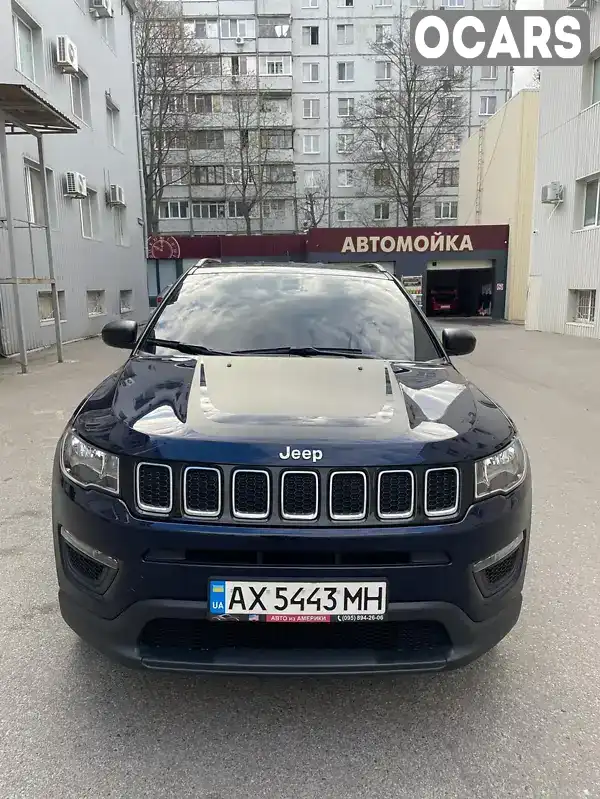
(459, 288)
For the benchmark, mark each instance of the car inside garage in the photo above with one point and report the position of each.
(459, 288)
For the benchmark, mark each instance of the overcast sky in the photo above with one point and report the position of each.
(522, 75)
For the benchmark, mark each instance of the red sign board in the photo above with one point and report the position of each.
(371, 241)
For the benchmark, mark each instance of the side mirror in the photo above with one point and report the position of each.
(458, 341)
(121, 334)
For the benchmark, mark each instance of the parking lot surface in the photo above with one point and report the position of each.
(521, 722)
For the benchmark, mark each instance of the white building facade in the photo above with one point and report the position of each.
(565, 257)
(316, 58)
(78, 62)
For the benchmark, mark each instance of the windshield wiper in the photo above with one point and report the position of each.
(307, 352)
(181, 346)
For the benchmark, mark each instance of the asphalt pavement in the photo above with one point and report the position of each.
(524, 721)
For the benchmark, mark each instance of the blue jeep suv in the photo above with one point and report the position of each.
(289, 476)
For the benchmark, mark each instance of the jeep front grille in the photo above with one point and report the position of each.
(318, 497)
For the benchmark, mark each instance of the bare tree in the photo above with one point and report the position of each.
(405, 130)
(169, 68)
(258, 146)
(536, 76)
(314, 202)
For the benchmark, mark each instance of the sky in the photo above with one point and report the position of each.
(522, 75)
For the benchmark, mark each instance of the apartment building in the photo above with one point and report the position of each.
(564, 281)
(66, 78)
(314, 59)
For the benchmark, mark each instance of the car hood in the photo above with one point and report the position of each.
(251, 409)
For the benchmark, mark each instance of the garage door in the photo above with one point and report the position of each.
(434, 266)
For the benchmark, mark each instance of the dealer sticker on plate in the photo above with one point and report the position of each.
(237, 600)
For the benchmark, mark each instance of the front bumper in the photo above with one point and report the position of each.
(151, 610)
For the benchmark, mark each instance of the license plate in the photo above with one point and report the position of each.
(238, 600)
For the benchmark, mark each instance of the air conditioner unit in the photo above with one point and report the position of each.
(552, 193)
(102, 8)
(116, 195)
(76, 185)
(66, 55)
(240, 40)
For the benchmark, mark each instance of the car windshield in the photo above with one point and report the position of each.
(229, 310)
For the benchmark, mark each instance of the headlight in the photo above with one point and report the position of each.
(89, 466)
(501, 472)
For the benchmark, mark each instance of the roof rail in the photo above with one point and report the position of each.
(202, 263)
(373, 265)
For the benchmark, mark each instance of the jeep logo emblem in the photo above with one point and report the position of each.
(313, 455)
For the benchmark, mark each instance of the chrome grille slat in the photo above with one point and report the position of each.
(202, 500)
(300, 489)
(348, 489)
(442, 491)
(151, 485)
(244, 497)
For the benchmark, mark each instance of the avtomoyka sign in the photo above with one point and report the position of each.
(436, 242)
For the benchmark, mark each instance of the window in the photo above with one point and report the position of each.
(381, 106)
(345, 70)
(274, 27)
(345, 142)
(450, 105)
(596, 81)
(275, 65)
(383, 70)
(275, 105)
(382, 212)
(311, 178)
(584, 306)
(448, 176)
(125, 301)
(279, 173)
(207, 140)
(383, 33)
(450, 144)
(206, 68)
(25, 47)
(345, 34)
(242, 65)
(45, 309)
(112, 124)
(234, 175)
(96, 303)
(446, 209)
(235, 209)
(416, 211)
(80, 97)
(487, 106)
(273, 208)
(345, 178)
(491, 3)
(374, 315)
(175, 104)
(382, 3)
(277, 139)
(175, 176)
(232, 28)
(108, 31)
(345, 106)
(311, 109)
(591, 204)
(345, 3)
(311, 144)
(204, 103)
(207, 175)
(209, 210)
(90, 225)
(310, 73)
(310, 4)
(174, 141)
(175, 209)
(344, 214)
(310, 35)
(34, 194)
(381, 177)
(207, 29)
(454, 3)
(489, 73)
(120, 226)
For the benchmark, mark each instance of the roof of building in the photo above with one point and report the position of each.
(26, 110)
